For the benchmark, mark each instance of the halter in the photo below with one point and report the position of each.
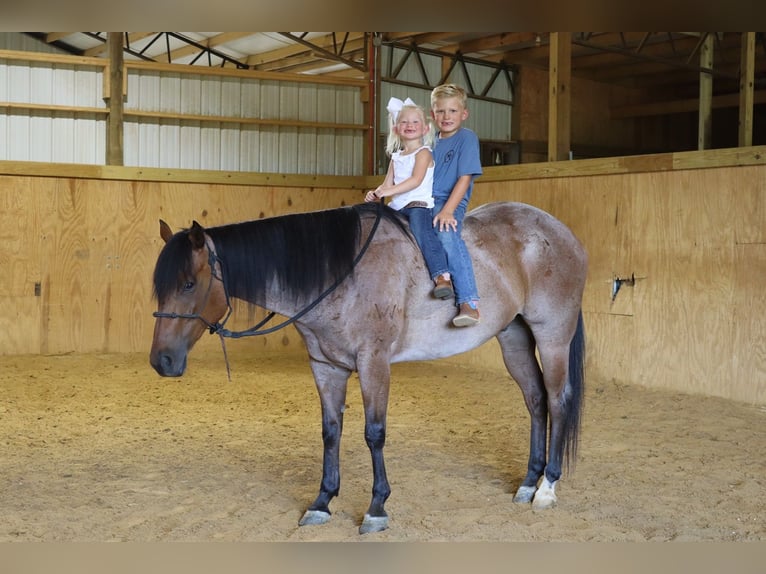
(217, 328)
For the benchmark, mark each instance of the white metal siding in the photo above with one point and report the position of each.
(214, 145)
(235, 146)
(490, 120)
(57, 136)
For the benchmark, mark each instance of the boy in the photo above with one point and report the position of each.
(457, 163)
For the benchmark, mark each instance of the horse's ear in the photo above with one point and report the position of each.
(165, 232)
(197, 235)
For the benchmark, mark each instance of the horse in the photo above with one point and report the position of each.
(355, 286)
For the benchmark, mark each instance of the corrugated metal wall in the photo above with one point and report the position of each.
(232, 146)
(490, 120)
(42, 136)
(202, 143)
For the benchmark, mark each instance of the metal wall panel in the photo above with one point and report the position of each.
(173, 142)
(51, 136)
(490, 120)
(235, 146)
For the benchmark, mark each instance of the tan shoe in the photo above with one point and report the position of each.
(466, 317)
(443, 288)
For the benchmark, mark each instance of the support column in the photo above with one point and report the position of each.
(746, 86)
(114, 125)
(559, 77)
(705, 119)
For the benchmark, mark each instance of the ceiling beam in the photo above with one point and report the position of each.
(103, 48)
(688, 105)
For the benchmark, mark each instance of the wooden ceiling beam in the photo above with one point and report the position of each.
(51, 37)
(211, 42)
(292, 58)
(504, 41)
(102, 48)
(680, 106)
(259, 61)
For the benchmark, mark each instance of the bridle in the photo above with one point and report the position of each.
(212, 259)
(218, 328)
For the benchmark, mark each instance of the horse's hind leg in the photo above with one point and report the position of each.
(331, 382)
(518, 347)
(561, 357)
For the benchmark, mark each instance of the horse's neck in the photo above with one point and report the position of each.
(273, 298)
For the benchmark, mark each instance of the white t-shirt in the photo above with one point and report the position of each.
(403, 164)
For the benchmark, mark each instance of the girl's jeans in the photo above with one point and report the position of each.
(421, 225)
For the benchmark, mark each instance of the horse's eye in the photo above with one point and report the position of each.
(188, 286)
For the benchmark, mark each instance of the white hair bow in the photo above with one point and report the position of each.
(395, 105)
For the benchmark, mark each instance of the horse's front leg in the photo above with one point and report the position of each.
(375, 379)
(331, 382)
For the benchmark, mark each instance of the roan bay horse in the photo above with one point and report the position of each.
(354, 282)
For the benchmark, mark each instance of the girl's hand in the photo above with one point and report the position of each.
(371, 196)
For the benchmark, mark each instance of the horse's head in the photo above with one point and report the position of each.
(190, 295)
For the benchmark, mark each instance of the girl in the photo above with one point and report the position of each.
(409, 183)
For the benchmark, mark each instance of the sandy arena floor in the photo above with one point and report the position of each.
(100, 448)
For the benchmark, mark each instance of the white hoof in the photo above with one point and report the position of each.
(524, 494)
(373, 524)
(314, 517)
(545, 497)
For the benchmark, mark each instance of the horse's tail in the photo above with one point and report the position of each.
(576, 393)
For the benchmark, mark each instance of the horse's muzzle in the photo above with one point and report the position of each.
(168, 364)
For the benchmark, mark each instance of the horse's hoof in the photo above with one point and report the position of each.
(524, 494)
(545, 497)
(312, 517)
(373, 524)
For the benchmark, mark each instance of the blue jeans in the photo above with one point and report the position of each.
(421, 225)
(458, 258)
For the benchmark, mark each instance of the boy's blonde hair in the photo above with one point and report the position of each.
(394, 142)
(449, 91)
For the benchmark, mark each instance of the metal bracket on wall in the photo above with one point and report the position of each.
(618, 282)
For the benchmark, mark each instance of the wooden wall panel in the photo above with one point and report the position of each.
(91, 246)
(694, 239)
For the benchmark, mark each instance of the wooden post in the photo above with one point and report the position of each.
(746, 86)
(371, 104)
(705, 118)
(114, 126)
(559, 75)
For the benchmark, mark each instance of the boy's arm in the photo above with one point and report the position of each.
(445, 219)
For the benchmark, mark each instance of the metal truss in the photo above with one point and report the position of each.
(412, 50)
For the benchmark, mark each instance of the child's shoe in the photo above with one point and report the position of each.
(467, 316)
(443, 288)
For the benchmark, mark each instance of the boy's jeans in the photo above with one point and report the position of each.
(458, 259)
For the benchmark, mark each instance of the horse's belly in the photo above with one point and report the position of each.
(441, 344)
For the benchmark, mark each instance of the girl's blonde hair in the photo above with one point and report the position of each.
(394, 142)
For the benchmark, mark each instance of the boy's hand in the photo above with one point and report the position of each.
(445, 221)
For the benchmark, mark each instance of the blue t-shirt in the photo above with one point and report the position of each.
(454, 157)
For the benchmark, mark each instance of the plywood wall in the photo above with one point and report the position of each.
(695, 240)
(78, 253)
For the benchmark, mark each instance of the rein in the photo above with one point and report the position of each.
(218, 327)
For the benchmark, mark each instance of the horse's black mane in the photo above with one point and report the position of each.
(303, 252)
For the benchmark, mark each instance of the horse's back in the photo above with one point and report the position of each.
(526, 262)
(527, 253)
(524, 234)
